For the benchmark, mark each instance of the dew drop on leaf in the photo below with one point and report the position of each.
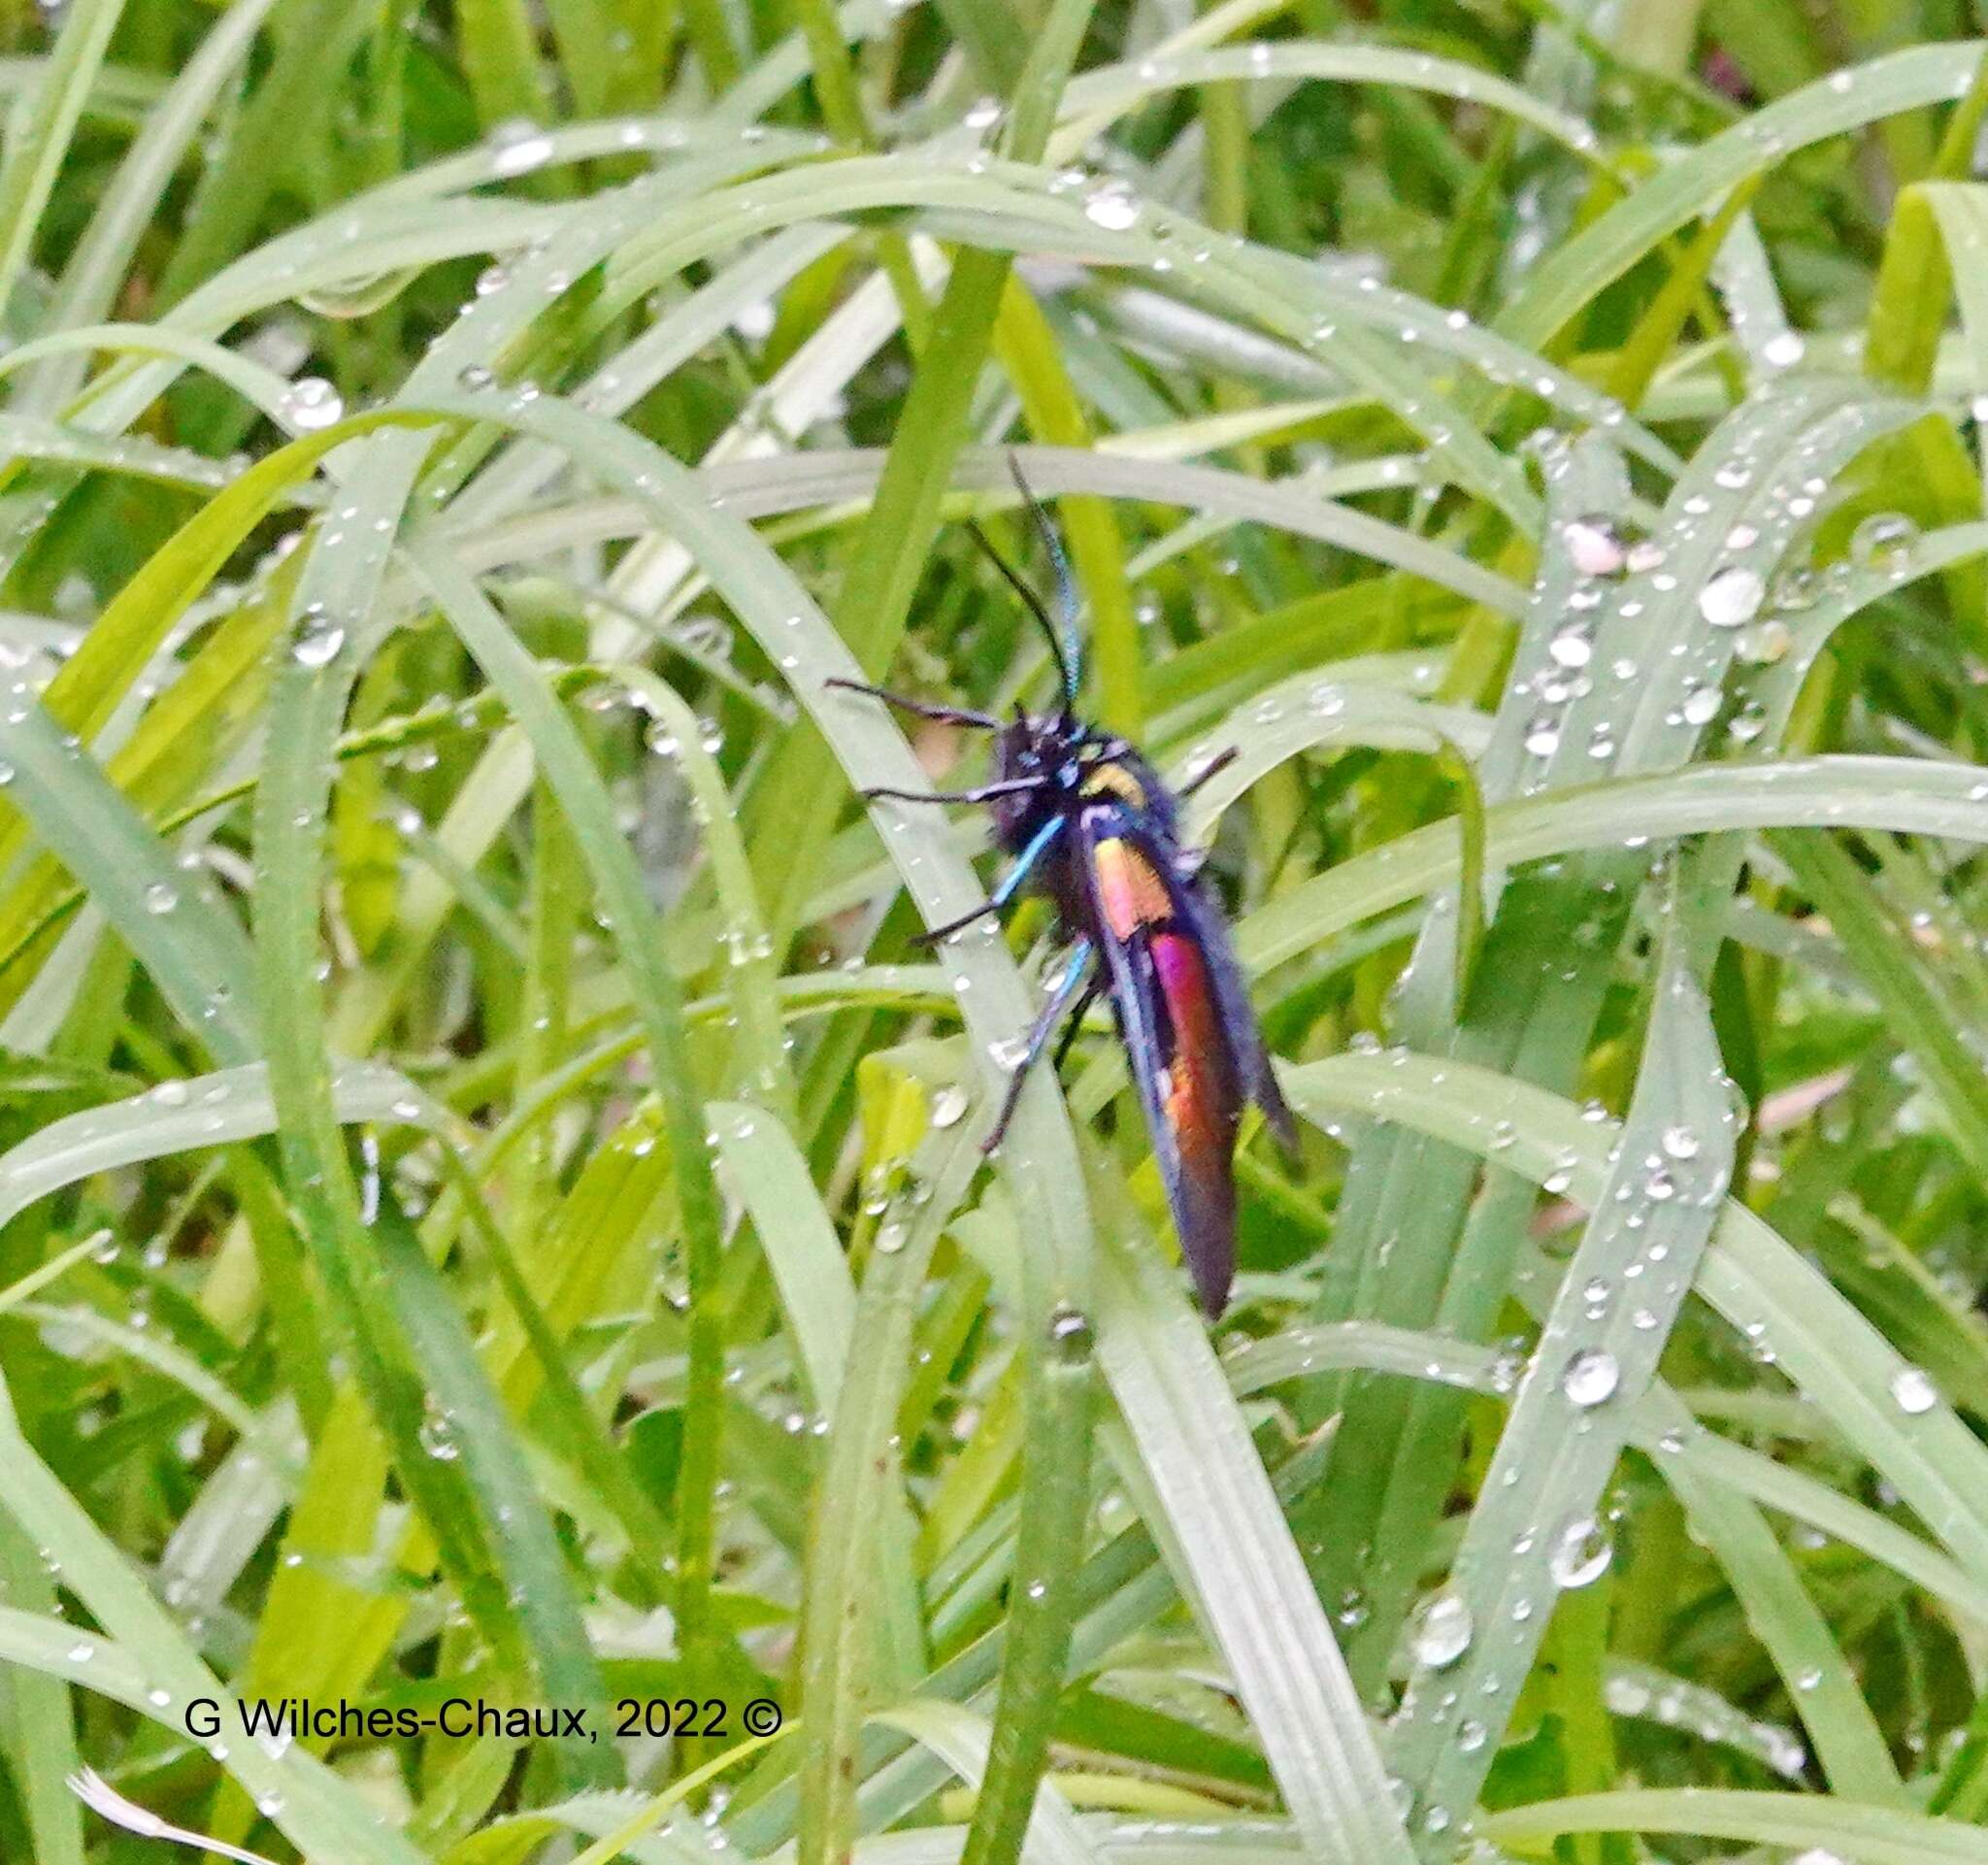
(1591, 1377)
(1444, 1630)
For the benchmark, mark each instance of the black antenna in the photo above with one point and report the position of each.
(1026, 591)
(1065, 585)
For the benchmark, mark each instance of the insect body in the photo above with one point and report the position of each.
(1089, 823)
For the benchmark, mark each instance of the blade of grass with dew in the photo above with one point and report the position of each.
(590, 811)
(1871, 1835)
(1906, 795)
(1602, 251)
(152, 1666)
(215, 1109)
(752, 976)
(1399, 1186)
(1097, 98)
(98, 264)
(1245, 1571)
(764, 487)
(800, 1243)
(860, 1477)
(1544, 1485)
(474, 1424)
(35, 157)
(189, 944)
(1844, 1366)
(40, 1739)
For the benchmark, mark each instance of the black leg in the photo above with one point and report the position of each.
(1207, 771)
(932, 935)
(981, 793)
(944, 715)
(1072, 1029)
(1046, 1020)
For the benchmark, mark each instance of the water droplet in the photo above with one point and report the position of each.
(1680, 1142)
(319, 645)
(1581, 1554)
(518, 147)
(1070, 1336)
(1731, 597)
(161, 898)
(1570, 648)
(1700, 705)
(1766, 644)
(438, 1437)
(311, 403)
(1444, 1630)
(949, 1105)
(1594, 547)
(1590, 1377)
(1749, 722)
(1112, 206)
(1882, 541)
(1645, 557)
(1912, 1390)
(1783, 349)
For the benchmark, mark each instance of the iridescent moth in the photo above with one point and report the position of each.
(1088, 822)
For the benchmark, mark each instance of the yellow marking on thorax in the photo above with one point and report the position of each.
(1114, 780)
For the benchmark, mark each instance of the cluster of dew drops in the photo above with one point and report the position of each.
(1618, 574)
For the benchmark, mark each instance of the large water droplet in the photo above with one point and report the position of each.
(1912, 1390)
(948, 1106)
(1112, 206)
(311, 403)
(1594, 547)
(1570, 648)
(317, 646)
(1444, 1630)
(1731, 597)
(1590, 1377)
(1581, 1554)
(1700, 705)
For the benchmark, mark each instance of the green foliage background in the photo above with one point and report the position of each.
(492, 1194)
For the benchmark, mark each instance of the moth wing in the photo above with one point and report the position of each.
(1169, 1019)
(1240, 1029)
